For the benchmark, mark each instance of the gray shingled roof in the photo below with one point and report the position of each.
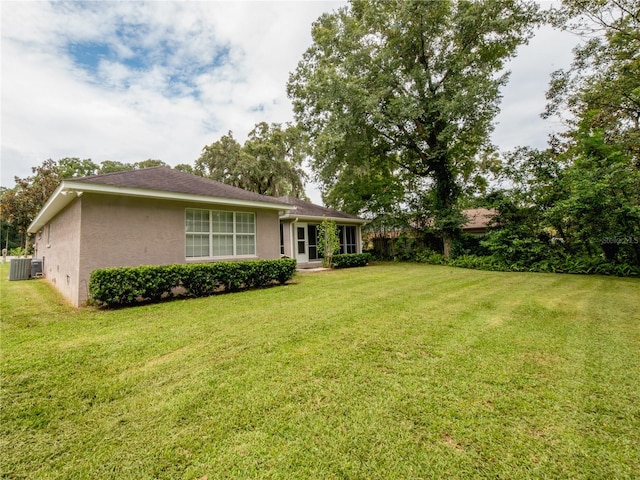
(478, 218)
(167, 179)
(308, 209)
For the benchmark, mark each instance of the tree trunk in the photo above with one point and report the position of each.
(447, 241)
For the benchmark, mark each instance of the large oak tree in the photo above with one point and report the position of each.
(411, 84)
(269, 162)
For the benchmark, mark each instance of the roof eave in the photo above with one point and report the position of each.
(307, 218)
(56, 202)
(63, 196)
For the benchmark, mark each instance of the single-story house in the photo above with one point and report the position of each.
(159, 216)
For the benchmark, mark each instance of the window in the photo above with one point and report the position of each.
(348, 243)
(197, 227)
(301, 240)
(213, 233)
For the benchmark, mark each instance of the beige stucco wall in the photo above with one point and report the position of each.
(58, 244)
(267, 234)
(98, 231)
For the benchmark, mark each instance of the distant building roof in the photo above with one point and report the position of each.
(478, 219)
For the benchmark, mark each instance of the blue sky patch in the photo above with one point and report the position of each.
(180, 67)
(88, 55)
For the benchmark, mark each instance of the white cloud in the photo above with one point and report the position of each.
(172, 77)
(209, 67)
(519, 122)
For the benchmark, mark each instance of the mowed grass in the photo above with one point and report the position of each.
(389, 371)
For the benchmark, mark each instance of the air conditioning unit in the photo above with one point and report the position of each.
(36, 267)
(20, 269)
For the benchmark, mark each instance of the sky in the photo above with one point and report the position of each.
(129, 81)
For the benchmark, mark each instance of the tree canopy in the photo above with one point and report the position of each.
(269, 162)
(584, 190)
(601, 89)
(411, 84)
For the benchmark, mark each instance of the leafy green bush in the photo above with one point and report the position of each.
(199, 279)
(405, 248)
(155, 282)
(468, 244)
(568, 264)
(283, 270)
(426, 255)
(480, 263)
(128, 285)
(348, 260)
(115, 286)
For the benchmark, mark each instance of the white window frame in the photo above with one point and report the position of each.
(211, 234)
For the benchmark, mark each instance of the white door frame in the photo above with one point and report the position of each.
(301, 244)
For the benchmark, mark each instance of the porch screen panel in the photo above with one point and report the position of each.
(347, 234)
(350, 239)
(313, 242)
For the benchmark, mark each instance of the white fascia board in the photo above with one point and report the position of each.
(57, 201)
(163, 195)
(64, 195)
(313, 218)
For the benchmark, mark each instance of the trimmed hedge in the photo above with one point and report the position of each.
(576, 265)
(128, 285)
(348, 260)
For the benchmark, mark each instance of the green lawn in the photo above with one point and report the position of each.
(389, 371)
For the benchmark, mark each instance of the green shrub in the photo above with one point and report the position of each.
(284, 270)
(199, 279)
(16, 252)
(114, 286)
(127, 285)
(568, 264)
(480, 263)
(348, 260)
(405, 248)
(426, 255)
(156, 282)
(468, 244)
